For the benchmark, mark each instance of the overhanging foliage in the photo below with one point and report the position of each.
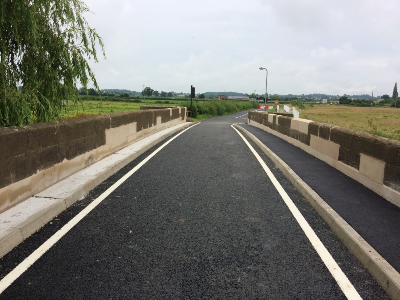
(45, 46)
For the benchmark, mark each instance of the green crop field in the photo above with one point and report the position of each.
(202, 109)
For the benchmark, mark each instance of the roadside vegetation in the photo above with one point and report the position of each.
(202, 109)
(382, 121)
(45, 48)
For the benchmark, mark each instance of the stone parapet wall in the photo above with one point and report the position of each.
(372, 160)
(36, 156)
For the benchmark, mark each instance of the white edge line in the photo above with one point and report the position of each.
(31, 259)
(337, 273)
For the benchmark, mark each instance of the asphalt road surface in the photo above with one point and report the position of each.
(200, 219)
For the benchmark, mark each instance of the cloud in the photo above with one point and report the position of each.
(308, 46)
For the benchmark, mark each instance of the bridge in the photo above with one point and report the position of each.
(248, 205)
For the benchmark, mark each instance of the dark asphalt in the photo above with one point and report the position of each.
(199, 220)
(374, 218)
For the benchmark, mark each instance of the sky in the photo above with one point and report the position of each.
(331, 47)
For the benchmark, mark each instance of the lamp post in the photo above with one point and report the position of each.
(266, 82)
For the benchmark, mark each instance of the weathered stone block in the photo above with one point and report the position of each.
(13, 141)
(124, 118)
(325, 131)
(175, 113)
(294, 134)
(25, 165)
(74, 148)
(392, 176)
(343, 136)
(7, 171)
(349, 157)
(313, 128)
(285, 121)
(375, 146)
(304, 138)
(48, 157)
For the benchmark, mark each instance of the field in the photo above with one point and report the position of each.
(382, 121)
(202, 109)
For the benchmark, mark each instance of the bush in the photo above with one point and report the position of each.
(220, 108)
(297, 103)
(395, 103)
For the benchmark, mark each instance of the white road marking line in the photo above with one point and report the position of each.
(337, 273)
(31, 259)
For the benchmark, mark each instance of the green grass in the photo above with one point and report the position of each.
(381, 121)
(203, 109)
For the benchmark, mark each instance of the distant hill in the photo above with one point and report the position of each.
(215, 94)
(118, 91)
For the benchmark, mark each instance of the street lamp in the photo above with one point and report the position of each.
(266, 81)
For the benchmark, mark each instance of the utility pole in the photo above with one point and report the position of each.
(372, 99)
(192, 95)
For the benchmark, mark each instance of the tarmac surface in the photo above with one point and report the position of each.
(374, 218)
(199, 220)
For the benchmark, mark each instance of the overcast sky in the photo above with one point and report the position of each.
(309, 46)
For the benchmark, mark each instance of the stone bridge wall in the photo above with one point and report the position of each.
(36, 156)
(372, 160)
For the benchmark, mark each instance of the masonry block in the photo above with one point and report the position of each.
(343, 136)
(7, 171)
(303, 125)
(325, 147)
(372, 168)
(349, 157)
(271, 118)
(294, 134)
(295, 124)
(324, 131)
(175, 113)
(313, 128)
(285, 121)
(48, 157)
(377, 147)
(124, 118)
(74, 148)
(43, 135)
(392, 176)
(79, 128)
(13, 141)
(145, 120)
(25, 165)
(304, 138)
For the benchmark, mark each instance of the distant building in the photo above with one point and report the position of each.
(222, 97)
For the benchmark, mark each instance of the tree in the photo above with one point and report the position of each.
(44, 45)
(201, 96)
(344, 100)
(92, 92)
(156, 93)
(147, 91)
(170, 94)
(297, 103)
(163, 94)
(395, 93)
(385, 97)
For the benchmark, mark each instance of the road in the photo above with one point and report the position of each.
(199, 219)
